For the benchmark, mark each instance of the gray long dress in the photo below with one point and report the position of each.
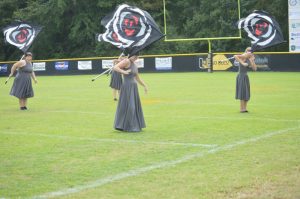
(22, 86)
(116, 80)
(129, 115)
(242, 84)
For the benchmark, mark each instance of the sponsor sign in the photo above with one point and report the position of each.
(40, 66)
(140, 63)
(294, 3)
(3, 68)
(220, 62)
(262, 62)
(84, 65)
(201, 63)
(109, 63)
(163, 63)
(62, 65)
(294, 48)
(106, 64)
(294, 25)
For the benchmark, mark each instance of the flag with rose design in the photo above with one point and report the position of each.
(129, 28)
(21, 34)
(263, 30)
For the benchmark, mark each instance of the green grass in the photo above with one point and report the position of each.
(66, 139)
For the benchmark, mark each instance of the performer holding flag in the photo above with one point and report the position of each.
(129, 115)
(264, 31)
(131, 29)
(21, 35)
(22, 86)
(242, 80)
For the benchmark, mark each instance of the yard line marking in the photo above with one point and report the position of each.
(234, 118)
(160, 165)
(81, 112)
(64, 98)
(182, 102)
(221, 103)
(111, 140)
(189, 102)
(190, 117)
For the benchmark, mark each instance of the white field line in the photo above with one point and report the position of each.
(159, 165)
(238, 118)
(80, 112)
(67, 98)
(109, 140)
(186, 117)
(222, 103)
(172, 102)
(227, 104)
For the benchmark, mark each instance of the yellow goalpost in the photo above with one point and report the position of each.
(208, 39)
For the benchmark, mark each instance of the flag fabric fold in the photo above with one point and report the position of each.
(129, 29)
(21, 34)
(263, 30)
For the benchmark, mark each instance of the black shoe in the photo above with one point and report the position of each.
(23, 108)
(115, 99)
(244, 111)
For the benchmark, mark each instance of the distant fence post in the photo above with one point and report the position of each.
(209, 59)
(210, 62)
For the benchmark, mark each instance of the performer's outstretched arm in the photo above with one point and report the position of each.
(241, 59)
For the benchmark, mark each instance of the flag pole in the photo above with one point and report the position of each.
(7, 79)
(108, 70)
(11, 76)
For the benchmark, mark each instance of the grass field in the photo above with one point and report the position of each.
(196, 144)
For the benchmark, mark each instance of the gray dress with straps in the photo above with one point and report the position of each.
(242, 83)
(22, 86)
(129, 115)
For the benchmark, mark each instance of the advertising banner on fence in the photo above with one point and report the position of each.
(163, 63)
(106, 64)
(220, 62)
(84, 65)
(3, 68)
(140, 63)
(109, 63)
(62, 65)
(294, 25)
(40, 66)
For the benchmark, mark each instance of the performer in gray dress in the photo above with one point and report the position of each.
(242, 80)
(129, 115)
(116, 80)
(22, 86)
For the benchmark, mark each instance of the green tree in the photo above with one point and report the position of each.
(70, 25)
(7, 9)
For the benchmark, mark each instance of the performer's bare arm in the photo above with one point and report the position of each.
(141, 82)
(119, 67)
(241, 59)
(33, 77)
(252, 62)
(17, 65)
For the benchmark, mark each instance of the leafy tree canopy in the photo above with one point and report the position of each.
(70, 25)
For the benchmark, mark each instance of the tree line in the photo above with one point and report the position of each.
(69, 26)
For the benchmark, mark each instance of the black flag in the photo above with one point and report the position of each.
(262, 29)
(129, 28)
(21, 34)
